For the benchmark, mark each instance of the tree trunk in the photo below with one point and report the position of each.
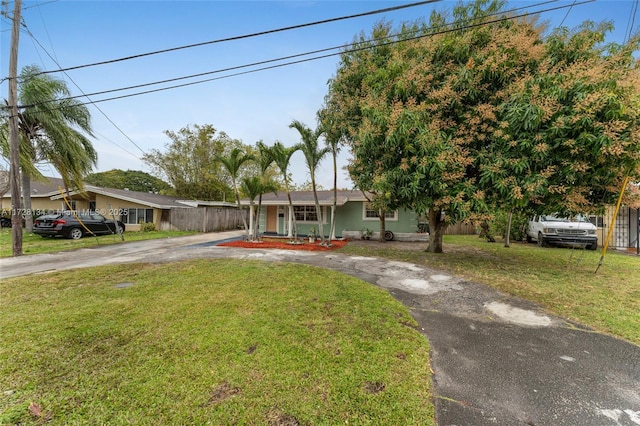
(293, 230)
(383, 227)
(318, 211)
(244, 219)
(507, 237)
(258, 211)
(26, 202)
(332, 231)
(251, 221)
(436, 228)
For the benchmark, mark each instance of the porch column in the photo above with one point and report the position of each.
(290, 222)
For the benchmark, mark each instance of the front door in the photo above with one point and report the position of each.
(272, 219)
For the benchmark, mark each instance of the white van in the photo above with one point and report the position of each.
(551, 229)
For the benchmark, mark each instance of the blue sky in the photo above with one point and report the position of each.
(251, 107)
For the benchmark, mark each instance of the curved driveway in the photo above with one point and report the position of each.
(497, 360)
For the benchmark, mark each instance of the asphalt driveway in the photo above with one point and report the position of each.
(497, 360)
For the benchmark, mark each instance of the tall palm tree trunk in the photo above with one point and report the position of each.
(318, 210)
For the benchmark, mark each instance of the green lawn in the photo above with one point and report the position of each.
(561, 279)
(209, 342)
(33, 244)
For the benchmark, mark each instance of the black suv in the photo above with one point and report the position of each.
(67, 225)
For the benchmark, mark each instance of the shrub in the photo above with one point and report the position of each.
(519, 223)
(147, 226)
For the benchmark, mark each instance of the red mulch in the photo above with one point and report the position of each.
(285, 244)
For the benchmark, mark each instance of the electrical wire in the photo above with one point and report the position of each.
(24, 25)
(304, 60)
(240, 37)
(567, 14)
(632, 21)
(283, 58)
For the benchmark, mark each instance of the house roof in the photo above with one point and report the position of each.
(49, 189)
(302, 198)
(42, 189)
(147, 198)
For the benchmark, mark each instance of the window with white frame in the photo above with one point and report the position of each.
(135, 216)
(305, 213)
(369, 213)
(72, 205)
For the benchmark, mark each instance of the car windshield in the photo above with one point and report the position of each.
(576, 218)
(550, 218)
(48, 217)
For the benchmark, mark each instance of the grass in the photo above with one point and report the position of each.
(561, 279)
(34, 244)
(208, 342)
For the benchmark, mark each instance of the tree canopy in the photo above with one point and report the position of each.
(455, 120)
(134, 180)
(190, 162)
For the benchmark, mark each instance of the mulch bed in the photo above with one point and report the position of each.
(285, 244)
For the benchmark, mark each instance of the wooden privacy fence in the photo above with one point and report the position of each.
(202, 219)
(461, 229)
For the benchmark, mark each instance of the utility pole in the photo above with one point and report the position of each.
(14, 143)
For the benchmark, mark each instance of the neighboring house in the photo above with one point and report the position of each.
(353, 214)
(133, 207)
(626, 229)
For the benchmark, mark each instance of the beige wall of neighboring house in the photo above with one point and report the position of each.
(131, 213)
(133, 207)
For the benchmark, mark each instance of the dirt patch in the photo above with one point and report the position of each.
(277, 418)
(374, 387)
(222, 392)
(285, 244)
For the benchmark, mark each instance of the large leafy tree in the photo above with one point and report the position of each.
(313, 154)
(190, 164)
(52, 129)
(418, 112)
(134, 180)
(569, 133)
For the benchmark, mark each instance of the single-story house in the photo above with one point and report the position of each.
(353, 215)
(132, 207)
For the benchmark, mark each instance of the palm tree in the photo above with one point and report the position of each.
(264, 160)
(282, 157)
(253, 187)
(52, 129)
(313, 154)
(232, 163)
(333, 138)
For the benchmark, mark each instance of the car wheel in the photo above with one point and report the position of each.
(75, 233)
(541, 241)
(593, 246)
(388, 235)
(529, 239)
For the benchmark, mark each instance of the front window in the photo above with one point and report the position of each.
(372, 214)
(305, 213)
(136, 216)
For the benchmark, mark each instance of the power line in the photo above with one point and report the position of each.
(240, 37)
(355, 49)
(283, 58)
(24, 25)
(567, 14)
(632, 20)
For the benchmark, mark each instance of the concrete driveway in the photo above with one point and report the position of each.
(497, 360)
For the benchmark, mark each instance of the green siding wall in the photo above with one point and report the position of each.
(349, 217)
